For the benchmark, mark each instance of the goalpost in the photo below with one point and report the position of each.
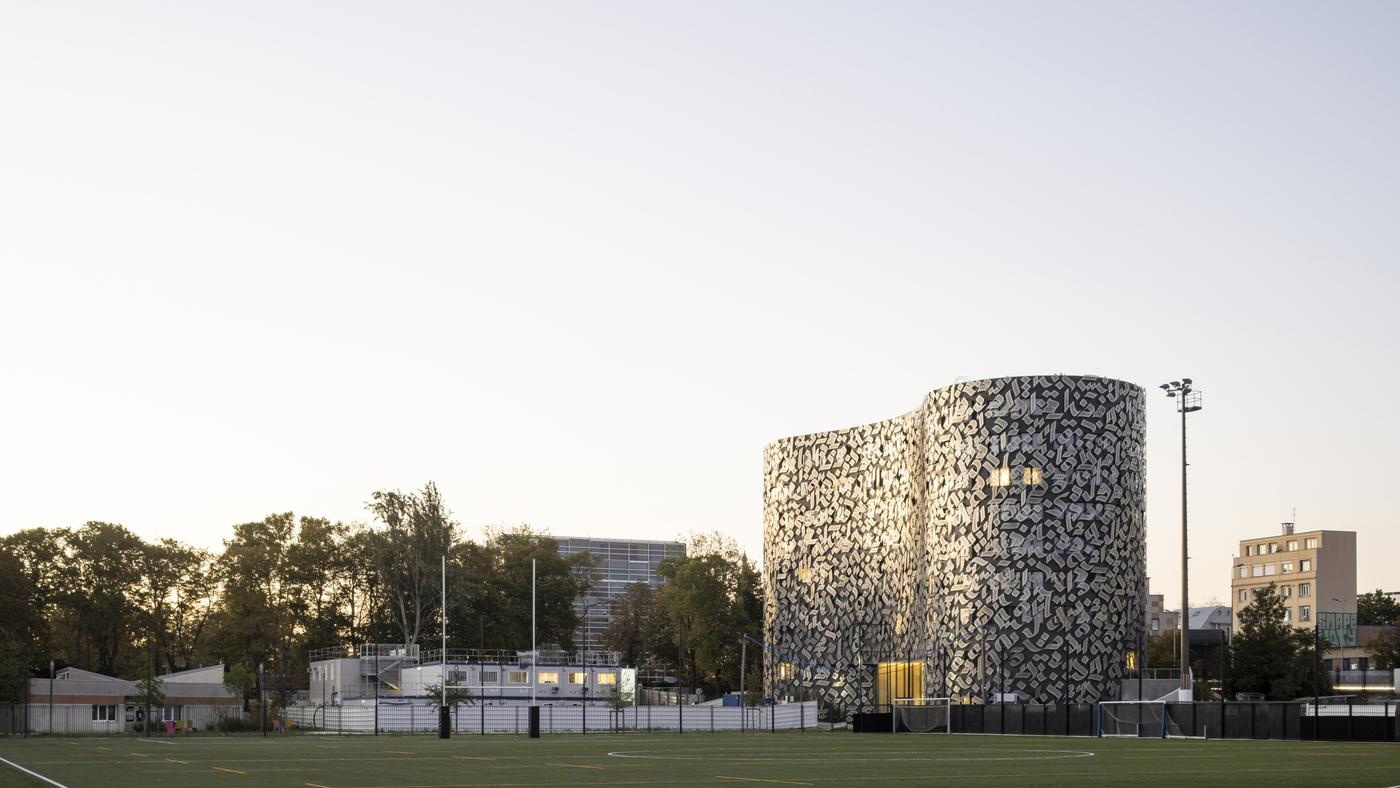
(922, 715)
(1136, 718)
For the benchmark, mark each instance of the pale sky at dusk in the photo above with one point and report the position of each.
(578, 262)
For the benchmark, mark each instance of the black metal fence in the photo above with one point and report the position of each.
(1256, 720)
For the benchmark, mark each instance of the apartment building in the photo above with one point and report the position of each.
(1314, 571)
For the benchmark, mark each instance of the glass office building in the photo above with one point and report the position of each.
(617, 564)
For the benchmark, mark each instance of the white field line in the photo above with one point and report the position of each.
(33, 774)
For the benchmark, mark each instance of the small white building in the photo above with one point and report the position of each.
(493, 678)
(88, 702)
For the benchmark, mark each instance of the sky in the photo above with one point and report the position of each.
(577, 262)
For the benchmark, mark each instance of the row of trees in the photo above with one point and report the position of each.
(102, 598)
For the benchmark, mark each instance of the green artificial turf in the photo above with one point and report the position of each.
(812, 758)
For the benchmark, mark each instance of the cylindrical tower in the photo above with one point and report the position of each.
(842, 558)
(1035, 545)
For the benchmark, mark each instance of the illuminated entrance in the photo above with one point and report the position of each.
(898, 680)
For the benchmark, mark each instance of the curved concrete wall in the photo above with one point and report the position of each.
(995, 534)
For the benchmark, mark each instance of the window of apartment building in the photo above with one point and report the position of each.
(1305, 613)
(1244, 571)
(1270, 570)
(1292, 544)
(170, 713)
(1244, 595)
(1273, 547)
(1287, 615)
(1305, 589)
(1310, 543)
(517, 676)
(1286, 592)
(1249, 549)
(104, 713)
(1257, 570)
(549, 677)
(1156, 625)
(577, 677)
(1305, 565)
(1286, 567)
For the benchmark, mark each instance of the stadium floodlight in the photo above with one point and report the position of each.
(1187, 401)
(922, 715)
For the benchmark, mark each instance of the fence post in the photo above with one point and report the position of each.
(773, 718)
(1349, 733)
(802, 716)
(680, 716)
(712, 719)
(517, 720)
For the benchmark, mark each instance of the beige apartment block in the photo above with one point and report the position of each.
(1314, 571)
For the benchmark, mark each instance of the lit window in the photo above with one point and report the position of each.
(576, 678)
(1305, 565)
(1288, 615)
(1031, 476)
(1305, 613)
(549, 677)
(607, 678)
(517, 676)
(1286, 567)
(804, 573)
(1001, 477)
(1305, 589)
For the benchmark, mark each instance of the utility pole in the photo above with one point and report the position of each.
(1187, 401)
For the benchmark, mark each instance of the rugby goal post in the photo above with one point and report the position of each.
(921, 715)
(1136, 719)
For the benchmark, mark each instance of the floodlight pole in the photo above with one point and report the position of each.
(1180, 390)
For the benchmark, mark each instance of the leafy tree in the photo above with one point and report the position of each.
(1385, 648)
(630, 617)
(19, 627)
(150, 693)
(455, 695)
(502, 564)
(418, 530)
(1377, 609)
(100, 600)
(255, 623)
(240, 680)
(1270, 656)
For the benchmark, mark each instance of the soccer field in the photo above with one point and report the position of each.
(817, 759)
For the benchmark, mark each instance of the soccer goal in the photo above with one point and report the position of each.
(1136, 718)
(922, 715)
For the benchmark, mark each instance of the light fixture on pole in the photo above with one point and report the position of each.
(1187, 401)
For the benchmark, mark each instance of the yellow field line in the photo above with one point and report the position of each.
(230, 771)
(757, 780)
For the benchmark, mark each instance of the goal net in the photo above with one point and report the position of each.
(922, 715)
(1136, 718)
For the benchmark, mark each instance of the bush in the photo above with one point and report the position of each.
(234, 725)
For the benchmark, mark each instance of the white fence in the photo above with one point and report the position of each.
(419, 718)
